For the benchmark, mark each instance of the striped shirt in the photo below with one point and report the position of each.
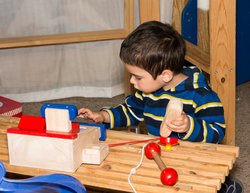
(200, 103)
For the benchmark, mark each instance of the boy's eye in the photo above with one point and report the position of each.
(137, 78)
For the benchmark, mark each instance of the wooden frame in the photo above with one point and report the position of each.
(219, 61)
(41, 40)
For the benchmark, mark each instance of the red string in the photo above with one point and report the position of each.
(133, 142)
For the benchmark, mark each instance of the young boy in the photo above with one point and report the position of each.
(154, 56)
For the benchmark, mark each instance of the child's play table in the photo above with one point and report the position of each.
(201, 167)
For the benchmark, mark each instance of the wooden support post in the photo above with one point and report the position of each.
(149, 10)
(222, 59)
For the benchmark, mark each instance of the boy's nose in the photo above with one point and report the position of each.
(132, 80)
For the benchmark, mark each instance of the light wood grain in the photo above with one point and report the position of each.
(178, 6)
(222, 58)
(149, 10)
(203, 34)
(201, 167)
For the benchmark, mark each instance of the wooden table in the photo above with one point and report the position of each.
(201, 167)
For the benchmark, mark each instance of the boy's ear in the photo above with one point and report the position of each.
(167, 75)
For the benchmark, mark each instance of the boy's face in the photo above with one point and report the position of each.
(144, 81)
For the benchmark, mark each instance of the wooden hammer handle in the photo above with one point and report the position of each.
(158, 161)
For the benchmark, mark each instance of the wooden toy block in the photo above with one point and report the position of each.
(173, 110)
(95, 153)
(50, 152)
(57, 120)
(54, 142)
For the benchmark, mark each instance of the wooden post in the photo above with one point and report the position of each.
(149, 10)
(178, 6)
(222, 59)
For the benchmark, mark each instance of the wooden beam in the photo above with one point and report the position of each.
(149, 10)
(222, 59)
(42, 40)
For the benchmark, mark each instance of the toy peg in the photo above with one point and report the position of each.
(168, 142)
(173, 110)
(169, 176)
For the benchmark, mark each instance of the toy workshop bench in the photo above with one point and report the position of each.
(201, 167)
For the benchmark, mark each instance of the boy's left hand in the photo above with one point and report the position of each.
(180, 124)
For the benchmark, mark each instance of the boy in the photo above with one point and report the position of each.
(154, 56)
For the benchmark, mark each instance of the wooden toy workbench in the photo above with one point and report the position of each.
(201, 167)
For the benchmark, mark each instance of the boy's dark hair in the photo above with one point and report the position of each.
(154, 47)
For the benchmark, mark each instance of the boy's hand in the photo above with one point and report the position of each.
(180, 124)
(97, 117)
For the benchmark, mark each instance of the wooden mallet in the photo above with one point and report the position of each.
(169, 176)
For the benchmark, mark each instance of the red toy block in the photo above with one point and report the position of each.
(33, 123)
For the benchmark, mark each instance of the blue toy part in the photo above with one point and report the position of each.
(101, 126)
(47, 183)
(189, 22)
(73, 112)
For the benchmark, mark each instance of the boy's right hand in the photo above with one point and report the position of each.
(97, 117)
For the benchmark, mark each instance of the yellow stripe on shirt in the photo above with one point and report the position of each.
(208, 105)
(195, 83)
(204, 131)
(191, 129)
(126, 114)
(111, 118)
(158, 118)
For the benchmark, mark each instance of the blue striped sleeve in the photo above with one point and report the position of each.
(207, 124)
(129, 113)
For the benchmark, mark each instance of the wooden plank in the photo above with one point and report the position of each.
(198, 57)
(42, 40)
(171, 162)
(129, 15)
(213, 147)
(178, 6)
(222, 59)
(201, 167)
(203, 30)
(149, 10)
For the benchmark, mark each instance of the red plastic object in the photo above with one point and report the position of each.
(169, 176)
(169, 141)
(150, 148)
(35, 125)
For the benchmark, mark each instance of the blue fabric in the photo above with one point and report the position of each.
(47, 183)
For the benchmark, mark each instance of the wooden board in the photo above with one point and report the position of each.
(201, 167)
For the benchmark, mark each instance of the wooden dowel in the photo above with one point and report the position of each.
(158, 161)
